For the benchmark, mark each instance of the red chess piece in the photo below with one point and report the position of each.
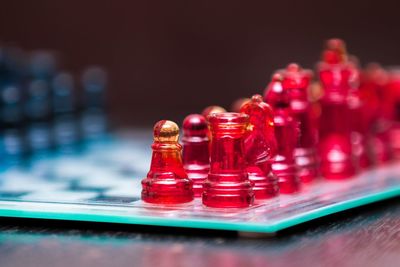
(196, 159)
(359, 119)
(374, 89)
(167, 181)
(260, 147)
(286, 132)
(227, 185)
(392, 110)
(296, 81)
(335, 147)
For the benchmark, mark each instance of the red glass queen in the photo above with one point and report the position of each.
(227, 185)
(260, 147)
(296, 82)
(335, 147)
(286, 132)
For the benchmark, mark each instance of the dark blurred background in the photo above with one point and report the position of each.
(169, 58)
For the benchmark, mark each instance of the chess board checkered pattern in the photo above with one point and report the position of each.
(102, 184)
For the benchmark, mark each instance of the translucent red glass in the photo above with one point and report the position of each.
(335, 147)
(359, 120)
(393, 111)
(373, 89)
(296, 82)
(260, 147)
(286, 132)
(167, 181)
(207, 112)
(195, 151)
(227, 185)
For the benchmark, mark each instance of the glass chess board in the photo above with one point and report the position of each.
(101, 183)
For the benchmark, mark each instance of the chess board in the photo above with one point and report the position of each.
(101, 183)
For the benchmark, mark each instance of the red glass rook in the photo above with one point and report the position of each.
(167, 181)
(335, 147)
(286, 132)
(260, 147)
(227, 185)
(296, 82)
(195, 151)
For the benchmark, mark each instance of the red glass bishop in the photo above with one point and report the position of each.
(286, 132)
(296, 82)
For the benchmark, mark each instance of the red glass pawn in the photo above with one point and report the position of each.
(167, 181)
(195, 151)
(286, 132)
(227, 185)
(296, 81)
(335, 147)
(260, 147)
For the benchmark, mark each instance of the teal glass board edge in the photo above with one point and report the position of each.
(78, 212)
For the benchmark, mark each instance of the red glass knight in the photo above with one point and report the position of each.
(260, 147)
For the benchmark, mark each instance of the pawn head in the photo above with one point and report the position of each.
(166, 131)
(195, 125)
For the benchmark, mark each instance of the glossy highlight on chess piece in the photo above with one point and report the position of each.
(227, 185)
(167, 181)
(196, 151)
(286, 132)
(335, 147)
(260, 147)
(296, 82)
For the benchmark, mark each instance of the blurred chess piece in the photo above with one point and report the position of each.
(65, 121)
(286, 132)
(94, 119)
(335, 144)
(296, 82)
